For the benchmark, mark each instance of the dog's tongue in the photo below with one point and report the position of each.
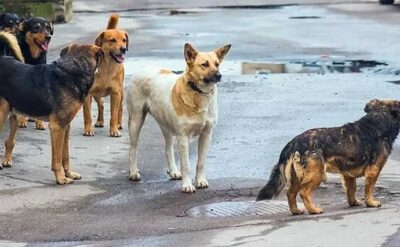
(44, 46)
(120, 59)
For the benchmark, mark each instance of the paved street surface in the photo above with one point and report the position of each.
(259, 114)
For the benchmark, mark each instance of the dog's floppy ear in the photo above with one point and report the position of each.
(190, 53)
(99, 39)
(221, 52)
(127, 41)
(1, 20)
(372, 105)
(65, 50)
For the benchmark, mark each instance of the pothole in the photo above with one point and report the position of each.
(240, 208)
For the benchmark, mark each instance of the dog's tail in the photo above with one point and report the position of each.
(9, 43)
(113, 21)
(280, 176)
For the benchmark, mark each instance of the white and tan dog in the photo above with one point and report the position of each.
(183, 105)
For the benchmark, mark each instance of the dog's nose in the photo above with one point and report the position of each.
(217, 77)
(48, 38)
(123, 49)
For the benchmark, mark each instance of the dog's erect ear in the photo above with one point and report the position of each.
(372, 105)
(127, 41)
(99, 39)
(65, 50)
(21, 26)
(190, 53)
(221, 52)
(51, 28)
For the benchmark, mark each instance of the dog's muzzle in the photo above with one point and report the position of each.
(213, 79)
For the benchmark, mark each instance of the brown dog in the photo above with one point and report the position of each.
(51, 92)
(110, 79)
(353, 150)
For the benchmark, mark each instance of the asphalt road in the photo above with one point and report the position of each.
(259, 114)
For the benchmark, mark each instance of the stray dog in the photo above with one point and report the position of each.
(9, 22)
(184, 106)
(109, 80)
(34, 36)
(49, 92)
(353, 150)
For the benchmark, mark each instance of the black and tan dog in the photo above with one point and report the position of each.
(9, 22)
(49, 92)
(34, 36)
(110, 79)
(353, 150)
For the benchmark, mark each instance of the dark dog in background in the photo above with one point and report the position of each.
(9, 22)
(51, 92)
(34, 36)
(353, 150)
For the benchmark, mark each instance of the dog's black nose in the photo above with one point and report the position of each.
(217, 77)
(123, 50)
(48, 38)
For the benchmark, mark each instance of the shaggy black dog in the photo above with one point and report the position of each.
(353, 150)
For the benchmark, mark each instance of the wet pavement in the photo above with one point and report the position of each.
(259, 114)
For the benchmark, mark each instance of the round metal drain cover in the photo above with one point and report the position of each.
(242, 208)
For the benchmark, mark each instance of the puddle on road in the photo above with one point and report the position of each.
(234, 67)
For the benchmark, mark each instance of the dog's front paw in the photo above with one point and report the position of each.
(7, 162)
(188, 188)
(175, 175)
(115, 133)
(373, 203)
(297, 211)
(64, 180)
(202, 183)
(135, 176)
(40, 125)
(355, 203)
(73, 175)
(23, 124)
(315, 210)
(99, 124)
(88, 132)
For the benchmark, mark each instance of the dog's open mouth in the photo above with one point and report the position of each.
(118, 58)
(42, 45)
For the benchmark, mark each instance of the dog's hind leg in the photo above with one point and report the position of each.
(10, 142)
(204, 144)
(87, 117)
(350, 187)
(312, 178)
(4, 111)
(135, 124)
(120, 112)
(170, 156)
(293, 190)
(100, 115)
(183, 147)
(116, 98)
(65, 158)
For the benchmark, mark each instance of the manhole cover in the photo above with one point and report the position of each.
(243, 208)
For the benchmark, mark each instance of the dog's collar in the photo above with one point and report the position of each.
(195, 88)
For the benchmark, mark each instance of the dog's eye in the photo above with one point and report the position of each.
(113, 40)
(205, 65)
(10, 21)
